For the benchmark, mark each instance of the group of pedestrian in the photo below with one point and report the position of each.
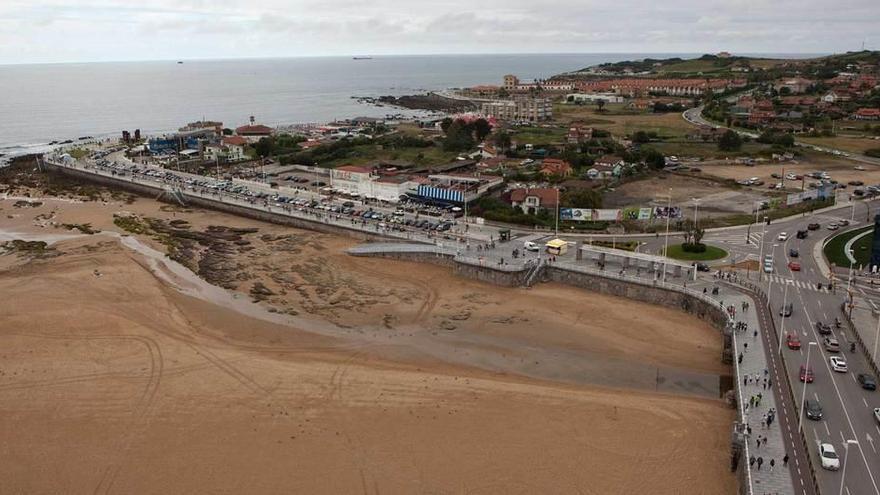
(759, 461)
(728, 276)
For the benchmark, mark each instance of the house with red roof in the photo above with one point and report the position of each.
(254, 132)
(555, 166)
(531, 200)
(867, 114)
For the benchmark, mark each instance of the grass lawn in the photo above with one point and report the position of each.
(711, 253)
(852, 143)
(368, 153)
(538, 135)
(77, 153)
(621, 121)
(834, 248)
(707, 150)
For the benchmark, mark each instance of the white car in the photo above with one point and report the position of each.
(783, 236)
(768, 267)
(833, 226)
(790, 176)
(838, 364)
(829, 458)
(531, 246)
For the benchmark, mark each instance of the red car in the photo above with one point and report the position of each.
(806, 374)
(793, 341)
(794, 266)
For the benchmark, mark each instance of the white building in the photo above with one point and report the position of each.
(528, 109)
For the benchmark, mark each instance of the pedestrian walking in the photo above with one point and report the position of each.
(764, 441)
(760, 462)
(755, 335)
(785, 460)
(772, 463)
(749, 429)
(769, 383)
(758, 442)
(751, 461)
(745, 347)
(740, 358)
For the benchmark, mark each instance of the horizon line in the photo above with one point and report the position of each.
(392, 55)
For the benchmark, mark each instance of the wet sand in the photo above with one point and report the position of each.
(121, 373)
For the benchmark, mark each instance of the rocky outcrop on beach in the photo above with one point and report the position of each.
(428, 101)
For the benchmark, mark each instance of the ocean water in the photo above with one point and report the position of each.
(55, 102)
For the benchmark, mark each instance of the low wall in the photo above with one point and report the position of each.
(255, 214)
(488, 274)
(640, 292)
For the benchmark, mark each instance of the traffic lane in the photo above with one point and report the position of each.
(841, 414)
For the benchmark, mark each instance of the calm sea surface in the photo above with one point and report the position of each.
(42, 103)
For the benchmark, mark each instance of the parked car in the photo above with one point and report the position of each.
(856, 183)
(831, 344)
(786, 310)
(813, 409)
(823, 328)
(793, 341)
(829, 458)
(794, 266)
(793, 253)
(813, 226)
(867, 381)
(838, 364)
(806, 374)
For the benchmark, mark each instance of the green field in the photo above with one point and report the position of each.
(711, 253)
(861, 249)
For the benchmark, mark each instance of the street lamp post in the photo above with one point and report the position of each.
(557, 211)
(696, 205)
(769, 280)
(761, 250)
(782, 325)
(845, 458)
(804, 393)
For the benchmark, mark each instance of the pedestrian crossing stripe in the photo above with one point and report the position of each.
(754, 239)
(798, 283)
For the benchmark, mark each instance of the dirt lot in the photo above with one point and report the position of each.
(840, 169)
(355, 375)
(715, 198)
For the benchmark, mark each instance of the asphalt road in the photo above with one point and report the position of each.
(847, 407)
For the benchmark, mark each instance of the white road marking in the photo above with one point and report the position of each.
(825, 424)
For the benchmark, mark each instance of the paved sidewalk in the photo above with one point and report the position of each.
(756, 368)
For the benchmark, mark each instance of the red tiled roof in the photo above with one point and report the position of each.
(556, 166)
(253, 130)
(868, 112)
(546, 195)
(234, 140)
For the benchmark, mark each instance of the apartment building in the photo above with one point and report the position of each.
(522, 109)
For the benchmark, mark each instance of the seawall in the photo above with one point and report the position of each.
(190, 200)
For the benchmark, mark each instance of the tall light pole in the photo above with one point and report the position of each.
(761, 251)
(666, 241)
(696, 205)
(557, 211)
(769, 280)
(845, 458)
(782, 326)
(804, 393)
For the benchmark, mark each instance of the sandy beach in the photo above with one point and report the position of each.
(311, 371)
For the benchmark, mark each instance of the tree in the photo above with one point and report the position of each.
(227, 131)
(582, 198)
(481, 129)
(641, 137)
(600, 105)
(265, 146)
(502, 140)
(654, 159)
(729, 141)
(445, 123)
(458, 137)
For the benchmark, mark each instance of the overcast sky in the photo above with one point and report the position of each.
(102, 30)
